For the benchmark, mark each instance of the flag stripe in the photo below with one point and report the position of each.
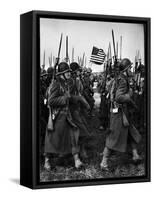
(100, 61)
(97, 59)
(98, 56)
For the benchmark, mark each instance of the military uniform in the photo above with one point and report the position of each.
(88, 91)
(118, 138)
(77, 106)
(63, 139)
(103, 109)
(122, 130)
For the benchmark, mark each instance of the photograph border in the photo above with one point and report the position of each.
(31, 178)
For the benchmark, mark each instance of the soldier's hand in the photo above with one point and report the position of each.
(57, 61)
(67, 94)
(84, 103)
(134, 106)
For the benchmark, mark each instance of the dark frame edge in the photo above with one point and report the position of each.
(92, 183)
(148, 24)
(26, 99)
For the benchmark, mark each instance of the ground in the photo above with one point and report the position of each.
(120, 164)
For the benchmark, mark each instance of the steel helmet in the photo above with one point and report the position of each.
(50, 70)
(63, 67)
(125, 64)
(89, 70)
(74, 66)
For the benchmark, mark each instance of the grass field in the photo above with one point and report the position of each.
(120, 164)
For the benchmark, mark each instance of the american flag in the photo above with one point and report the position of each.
(97, 56)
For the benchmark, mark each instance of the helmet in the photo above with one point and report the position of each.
(84, 69)
(74, 66)
(89, 70)
(125, 64)
(50, 70)
(62, 68)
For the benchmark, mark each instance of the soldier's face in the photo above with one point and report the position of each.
(67, 75)
(129, 71)
(78, 73)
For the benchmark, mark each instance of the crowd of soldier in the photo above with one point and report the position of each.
(68, 99)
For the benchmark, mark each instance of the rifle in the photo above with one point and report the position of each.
(120, 47)
(43, 65)
(73, 54)
(82, 62)
(117, 51)
(114, 48)
(85, 62)
(50, 122)
(67, 57)
(51, 59)
(78, 60)
(49, 62)
(57, 59)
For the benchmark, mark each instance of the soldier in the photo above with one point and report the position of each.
(88, 89)
(50, 72)
(44, 112)
(79, 107)
(104, 89)
(62, 138)
(103, 104)
(122, 129)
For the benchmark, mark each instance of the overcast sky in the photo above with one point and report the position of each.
(83, 35)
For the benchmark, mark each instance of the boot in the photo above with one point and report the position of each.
(47, 164)
(78, 164)
(136, 156)
(77, 161)
(104, 164)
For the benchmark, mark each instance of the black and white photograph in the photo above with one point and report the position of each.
(92, 100)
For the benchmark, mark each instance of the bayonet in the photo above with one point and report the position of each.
(117, 51)
(43, 65)
(114, 46)
(51, 59)
(120, 47)
(67, 49)
(73, 54)
(58, 58)
(60, 46)
(82, 62)
(49, 62)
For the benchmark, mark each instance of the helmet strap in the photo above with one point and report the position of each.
(64, 76)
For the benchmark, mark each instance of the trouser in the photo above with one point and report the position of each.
(131, 142)
(74, 141)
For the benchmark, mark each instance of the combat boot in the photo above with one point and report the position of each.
(136, 156)
(78, 164)
(47, 164)
(104, 163)
(77, 161)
